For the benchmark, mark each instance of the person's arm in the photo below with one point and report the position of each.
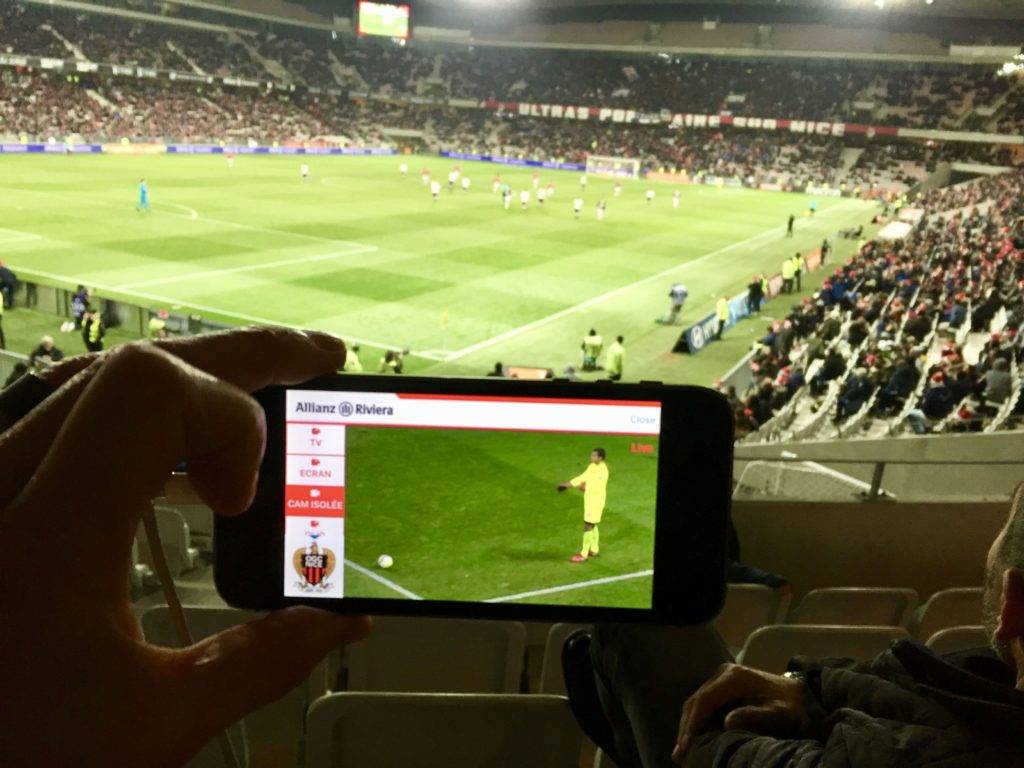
(833, 716)
(69, 626)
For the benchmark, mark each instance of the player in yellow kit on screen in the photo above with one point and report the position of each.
(594, 484)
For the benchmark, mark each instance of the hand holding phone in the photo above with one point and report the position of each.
(443, 479)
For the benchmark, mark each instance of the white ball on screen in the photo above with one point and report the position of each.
(385, 561)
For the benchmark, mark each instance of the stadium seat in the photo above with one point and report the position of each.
(451, 655)
(174, 535)
(771, 648)
(384, 730)
(956, 607)
(747, 607)
(860, 606)
(552, 680)
(274, 729)
(955, 639)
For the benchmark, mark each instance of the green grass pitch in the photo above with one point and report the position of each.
(365, 253)
(474, 515)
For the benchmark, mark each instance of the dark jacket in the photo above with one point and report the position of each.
(906, 709)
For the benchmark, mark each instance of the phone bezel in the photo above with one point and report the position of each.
(693, 496)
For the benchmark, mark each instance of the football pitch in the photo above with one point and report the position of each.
(475, 515)
(361, 251)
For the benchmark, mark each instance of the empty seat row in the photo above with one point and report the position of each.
(751, 606)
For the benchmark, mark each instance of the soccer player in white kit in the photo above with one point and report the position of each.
(541, 194)
(403, 169)
(650, 196)
(583, 182)
(600, 211)
(536, 180)
(551, 189)
(425, 176)
(675, 198)
(453, 176)
(618, 188)
(435, 189)
(304, 172)
(577, 206)
(524, 198)
(465, 184)
(496, 184)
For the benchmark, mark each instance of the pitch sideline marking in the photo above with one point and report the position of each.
(568, 587)
(381, 580)
(214, 310)
(600, 298)
(244, 268)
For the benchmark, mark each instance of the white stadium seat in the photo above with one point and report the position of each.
(174, 535)
(435, 655)
(955, 639)
(747, 607)
(771, 648)
(956, 607)
(551, 678)
(282, 719)
(861, 606)
(438, 730)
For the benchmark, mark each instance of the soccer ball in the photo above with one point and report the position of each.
(385, 561)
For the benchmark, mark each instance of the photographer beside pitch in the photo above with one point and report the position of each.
(907, 707)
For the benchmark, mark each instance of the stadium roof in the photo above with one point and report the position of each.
(975, 9)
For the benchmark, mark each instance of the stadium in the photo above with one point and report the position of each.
(814, 207)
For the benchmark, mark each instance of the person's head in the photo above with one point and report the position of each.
(1000, 364)
(356, 348)
(498, 368)
(620, 339)
(593, 332)
(597, 456)
(46, 343)
(1003, 607)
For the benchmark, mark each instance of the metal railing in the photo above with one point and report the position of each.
(874, 491)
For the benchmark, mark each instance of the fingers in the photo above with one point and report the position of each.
(141, 413)
(763, 718)
(729, 683)
(249, 358)
(246, 667)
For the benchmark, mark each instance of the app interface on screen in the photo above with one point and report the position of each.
(453, 497)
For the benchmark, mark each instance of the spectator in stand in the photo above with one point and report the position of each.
(854, 394)
(8, 285)
(998, 385)
(936, 404)
(901, 383)
(917, 326)
(45, 354)
(832, 368)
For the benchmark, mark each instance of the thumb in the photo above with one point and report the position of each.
(248, 666)
(763, 718)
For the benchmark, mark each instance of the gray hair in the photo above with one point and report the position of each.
(1007, 552)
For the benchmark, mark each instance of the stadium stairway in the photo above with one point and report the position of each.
(274, 68)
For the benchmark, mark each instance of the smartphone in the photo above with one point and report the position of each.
(486, 498)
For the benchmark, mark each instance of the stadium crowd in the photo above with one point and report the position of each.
(904, 95)
(887, 328)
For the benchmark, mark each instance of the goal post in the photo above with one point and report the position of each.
(626, 167)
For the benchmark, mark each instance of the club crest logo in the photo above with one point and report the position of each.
(314, 565)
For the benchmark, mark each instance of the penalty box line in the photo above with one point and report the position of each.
(381, 580)
(569, 587)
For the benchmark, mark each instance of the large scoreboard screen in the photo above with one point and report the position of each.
(383, 19)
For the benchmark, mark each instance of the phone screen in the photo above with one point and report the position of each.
(416, 496)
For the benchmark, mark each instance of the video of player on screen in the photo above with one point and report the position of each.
(437, 497)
